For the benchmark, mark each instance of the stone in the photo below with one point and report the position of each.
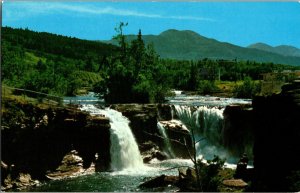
(160, 181)
(176, 126)
(236, 183)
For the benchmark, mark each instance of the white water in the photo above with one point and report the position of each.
(207, 124)
(162, 131)
(124, 150)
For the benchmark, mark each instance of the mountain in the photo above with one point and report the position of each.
(282, 49)
(189, 45)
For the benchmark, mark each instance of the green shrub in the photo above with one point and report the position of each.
(207, 87)
(209, 178)
(248, 89)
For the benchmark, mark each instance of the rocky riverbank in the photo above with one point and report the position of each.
(36, 140)
(41, 142)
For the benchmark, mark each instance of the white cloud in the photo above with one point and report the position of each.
(20, 10)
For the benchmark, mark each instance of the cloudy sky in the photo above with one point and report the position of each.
(242, 23)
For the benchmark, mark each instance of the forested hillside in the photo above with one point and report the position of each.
(51, 63)
(129, 72)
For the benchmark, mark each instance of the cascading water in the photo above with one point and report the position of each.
(124, 150)
(162, 131)
(206, 123)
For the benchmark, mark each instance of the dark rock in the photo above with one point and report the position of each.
(164, 112)
(178, 133)
(237, 132)
(143, 120)
(277, 133)
(160, 155)
(151, 151)
(35, 139)
(241, 168)
(160, 181)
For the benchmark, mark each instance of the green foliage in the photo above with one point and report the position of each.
(49, 63)
(132, 72)
(248, 89)
(209, 178)
(207, 87)
(134, 75)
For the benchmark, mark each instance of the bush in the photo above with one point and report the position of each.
(248, 89)
(210, 180)
(206, 87)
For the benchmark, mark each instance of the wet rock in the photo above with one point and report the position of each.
(151, 151)
(237, 132)
(36, 138)
(71, 166)
(241, 168)
(143, 120)
(175, 126)
(20, 182)
(178, 134)
(160, 181)
(164, 112)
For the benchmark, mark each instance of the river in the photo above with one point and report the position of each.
(125, 178)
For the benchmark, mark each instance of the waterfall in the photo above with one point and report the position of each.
(206, 123)
(124, 150)
(162, 131)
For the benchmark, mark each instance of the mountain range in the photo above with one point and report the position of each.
(282, 49)
(189, 45)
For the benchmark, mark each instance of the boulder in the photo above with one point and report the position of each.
(71, 166)
(151, 151)
(175, 126)
(236, 183)
(35, 139)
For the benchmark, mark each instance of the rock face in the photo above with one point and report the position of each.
(150, 151)
(35, 139)
(71, 166)
(143, 123)
(237, 133)
(277, 133)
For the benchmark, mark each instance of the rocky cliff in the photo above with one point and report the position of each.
(143, 123)
(35, 139)
(276, 143)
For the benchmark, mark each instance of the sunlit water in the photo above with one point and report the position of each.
(198, 100)
(90, 98)
(120, 181)
(128, 179)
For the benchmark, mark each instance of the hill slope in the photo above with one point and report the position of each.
(50, 63)
(282, 49)
(189, 45)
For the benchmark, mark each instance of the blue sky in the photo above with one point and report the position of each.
(240, 23)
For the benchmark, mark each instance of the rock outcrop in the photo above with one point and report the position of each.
(143, 123)
(35, 139)
(277, 133)
(237, 132)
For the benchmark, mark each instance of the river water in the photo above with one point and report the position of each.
(125, 178)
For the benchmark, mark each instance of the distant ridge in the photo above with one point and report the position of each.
(282, 49)
(189, 45)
